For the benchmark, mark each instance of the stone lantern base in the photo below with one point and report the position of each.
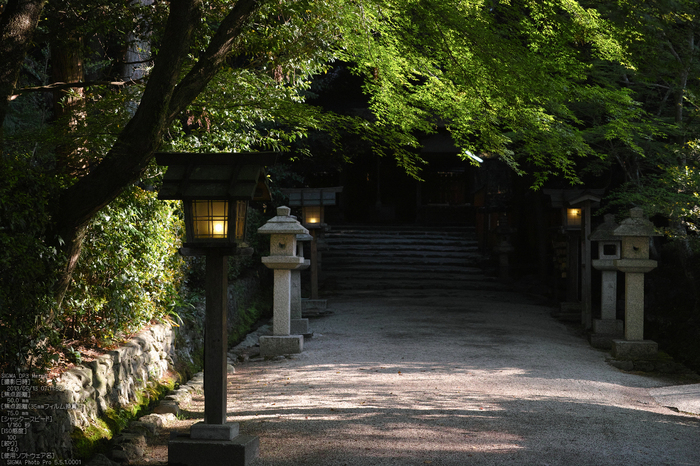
(279, 345)
(608, 326)
(605, 331)
(314, 306)
(186, 451)
(634, 349)
(299, 327)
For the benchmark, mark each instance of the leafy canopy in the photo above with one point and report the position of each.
(500, 75)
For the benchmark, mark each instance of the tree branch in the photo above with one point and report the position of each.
(134, 147)
(673, 51)
(162, 100)
(76, 85)
(633, 83)
(140, 138)
(210, 61)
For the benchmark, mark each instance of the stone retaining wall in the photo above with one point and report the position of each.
(119, 378)
(84, 393)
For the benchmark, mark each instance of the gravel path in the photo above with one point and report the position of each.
(470, 377)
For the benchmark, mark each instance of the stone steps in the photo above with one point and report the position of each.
(408, 285)
(335, 261)
(399, 228)
(362, 246)
(405, 271)
(339, 234)
(402, 258)
(369, 244)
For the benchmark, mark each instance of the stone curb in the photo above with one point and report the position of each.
(130, 444)
(241, 353)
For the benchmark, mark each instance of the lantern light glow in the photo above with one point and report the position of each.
(312, 214)
(210, 219)
(573, 218)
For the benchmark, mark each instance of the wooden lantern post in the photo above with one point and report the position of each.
(215, 190)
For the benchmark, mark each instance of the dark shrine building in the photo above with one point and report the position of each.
(505, 212)
(377, 190)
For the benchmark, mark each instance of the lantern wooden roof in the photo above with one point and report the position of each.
(305, 197)
(573, 197)
(215, 175)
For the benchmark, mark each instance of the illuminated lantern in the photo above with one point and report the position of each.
(312, 215)
(573, 219)
(215, 190)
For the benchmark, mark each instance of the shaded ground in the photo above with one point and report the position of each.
(464, 377)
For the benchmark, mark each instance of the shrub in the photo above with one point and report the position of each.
(28, 262)
(129, 271)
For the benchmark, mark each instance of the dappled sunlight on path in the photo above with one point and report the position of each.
(451, 381)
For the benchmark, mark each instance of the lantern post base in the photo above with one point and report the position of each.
(186, 451)
(604, 332)
(204, 431)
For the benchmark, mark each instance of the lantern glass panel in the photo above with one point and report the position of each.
(210, 219)
(312, 214)
(241, 211)
(573, 218)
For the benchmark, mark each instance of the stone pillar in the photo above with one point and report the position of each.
(634, 305)
(281, 319)
(283, 230)
(608, 302)
(299, 326)
(635, 233)
(608, 327)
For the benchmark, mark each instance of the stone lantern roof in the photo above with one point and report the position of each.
(635, 225)
(283, 223)
(605, 232)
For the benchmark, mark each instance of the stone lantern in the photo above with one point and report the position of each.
(283, 230)
(608, 327)
(635, 233)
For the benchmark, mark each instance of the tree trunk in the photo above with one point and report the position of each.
(162, 100)
(17, 25)
(134, 146)
(68, 104)
(138, 51)
(72, 250)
